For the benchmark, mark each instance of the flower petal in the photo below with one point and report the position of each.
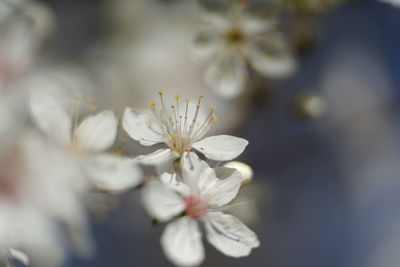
(142, 127)
(227, 75)
(229, 235)
(271, 58)
(161, 202)
(163, 159)
(181, 242)
(19, 255)
(221, 147)
(219, 192)
(50, 115)
(205, 46)
(114, 173)
(98, 132)
(192, 166)
(171, 181)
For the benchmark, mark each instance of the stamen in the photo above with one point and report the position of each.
(191, 128)
(178, 130)
(206, 124)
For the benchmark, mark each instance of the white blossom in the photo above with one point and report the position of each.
(232, 41)
(41, 192)
(87, 140)
(182, 128)
(201, 196)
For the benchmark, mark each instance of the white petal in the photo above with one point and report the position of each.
(171, 181)
(229, 235)
(98, 132)
(255, 26)
(163, 159)
(205, 46)
(220, 24)
(181, 242)
(114, 173)
(50, 115)
(19, 255)
(192, 166)
(142, 127)
(219, 192)
(271, 58)
(161, 202)
(227, 76)
(221, 147)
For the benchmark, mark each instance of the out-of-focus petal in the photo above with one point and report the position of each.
(252, 25)
(227, 76)
(181, 242)
(114, 173)
(50, 116)
(229, 235)
(221, 147)
(271, 57)
(205, 46)
(142, 127)
(97, 133)
(19, 256)
(161, 202)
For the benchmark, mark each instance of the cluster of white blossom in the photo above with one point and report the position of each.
(186, 190)
(57, 149)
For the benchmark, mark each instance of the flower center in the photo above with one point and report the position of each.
(195, 207)
(178, 127)
(234, 36)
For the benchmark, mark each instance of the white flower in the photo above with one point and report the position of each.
(36, 179)
(235, 40)
(201, 197)
(87, 140)
(181, 128)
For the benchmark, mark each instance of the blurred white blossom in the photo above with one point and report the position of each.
(86, 140)
(36, 180)
(232, 41)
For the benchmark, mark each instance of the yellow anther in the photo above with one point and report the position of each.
(152, 104)
(213, 118)
(177, 96)
(161, 111)
(201, 96)
(187, 100)
(212, 108)
(161, 92)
